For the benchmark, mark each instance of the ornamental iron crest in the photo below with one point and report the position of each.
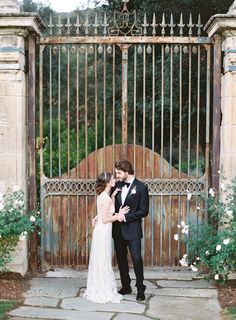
(124, 23)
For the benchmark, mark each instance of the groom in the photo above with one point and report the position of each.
(127, 232)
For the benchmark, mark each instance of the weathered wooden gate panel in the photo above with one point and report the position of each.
(126, 92)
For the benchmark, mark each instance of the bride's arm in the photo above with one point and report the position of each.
(106, 218)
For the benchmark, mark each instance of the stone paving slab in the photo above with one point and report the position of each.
(147, 283)
(130, 317)
(54, 288)
(58, 314)
(200, 284)
(41, 302)
(173, 308)
(149, 273)
(187, 292)
(83, 304)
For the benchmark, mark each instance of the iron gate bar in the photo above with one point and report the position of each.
(198, 110)
(113, 102)
(59, 110)
(171, 108)
(77, 108)
(125, 48)
(135, 104)
(153, 108)
(50, 106)
(208, 93)
(189, 104)
(124, 40)
(144, 107)
(96, 98)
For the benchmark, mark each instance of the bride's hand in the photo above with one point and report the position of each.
(124, 210)
(115, 192)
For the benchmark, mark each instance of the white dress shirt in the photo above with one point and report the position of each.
(125, 190)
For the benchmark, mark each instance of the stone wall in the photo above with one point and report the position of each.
(15, 30)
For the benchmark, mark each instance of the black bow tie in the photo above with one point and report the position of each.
(127, 184)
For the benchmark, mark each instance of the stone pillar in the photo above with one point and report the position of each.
(224, 25)
(16, 28)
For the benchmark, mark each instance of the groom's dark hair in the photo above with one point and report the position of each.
(124, 165)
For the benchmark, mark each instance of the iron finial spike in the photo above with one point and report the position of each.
(77, 25)
(50, 25)
(68, 25)
(145, 24)
(171, 25)
(199, 25)
(154, 24)
(190, 25)
(105, 25)
(181, 25)
(59, 25)
(86, 25)
(163, 25)
(96, 25)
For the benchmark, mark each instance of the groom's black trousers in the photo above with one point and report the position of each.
(134, 246)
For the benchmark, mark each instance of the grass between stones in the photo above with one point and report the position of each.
(5, 306)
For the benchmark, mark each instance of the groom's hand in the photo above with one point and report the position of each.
(94, 221)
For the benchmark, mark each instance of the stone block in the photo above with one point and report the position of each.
(228, 108)
(19, 261)
(226, 165)
(233, 140)
(8, 108)
(8, 167)
(226, 141)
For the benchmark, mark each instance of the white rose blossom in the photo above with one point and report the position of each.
(216, 277)
(185, 229)
(226, 241)
(176, 237)
(183, 262)
(207, 253)
(212, 192)
(193, 268)
(32, 219)
(218, 247)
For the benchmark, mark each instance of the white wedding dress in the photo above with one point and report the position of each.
(101, 283)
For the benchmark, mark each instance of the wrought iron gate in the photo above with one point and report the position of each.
(122, 89)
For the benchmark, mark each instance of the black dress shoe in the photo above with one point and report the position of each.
(125, 291)
(140, 296)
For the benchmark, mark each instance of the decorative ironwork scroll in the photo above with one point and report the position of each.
(82, 187)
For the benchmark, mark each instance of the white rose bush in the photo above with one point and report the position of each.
(213, 245)
(16, 223)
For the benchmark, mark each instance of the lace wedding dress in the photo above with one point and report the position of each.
(101, 283)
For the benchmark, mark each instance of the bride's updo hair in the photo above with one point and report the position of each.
(102, 180)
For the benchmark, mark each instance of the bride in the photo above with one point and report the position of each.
(101, 283)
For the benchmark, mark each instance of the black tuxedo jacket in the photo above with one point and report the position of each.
(138, 201)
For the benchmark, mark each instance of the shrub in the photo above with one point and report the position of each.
(213, 244)
(16, 223)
